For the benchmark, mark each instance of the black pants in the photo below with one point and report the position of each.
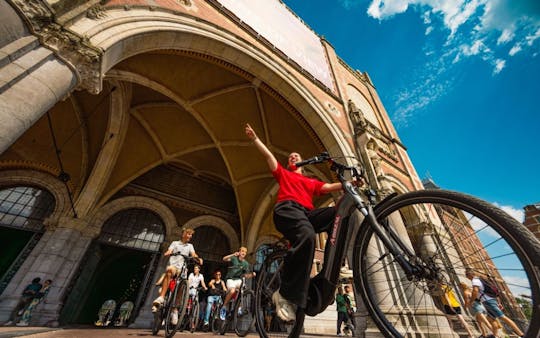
(342, 318)
(299, 226)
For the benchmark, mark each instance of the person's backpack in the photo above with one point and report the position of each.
(490, 289)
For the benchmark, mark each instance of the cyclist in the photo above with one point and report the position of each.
(297, 219)
(239, 268)
(183, 247)
(217, 289)
(195, 279)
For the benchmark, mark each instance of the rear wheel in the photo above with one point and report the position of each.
(444, 233)
(244, 316)
(215, 321)
(269, 280)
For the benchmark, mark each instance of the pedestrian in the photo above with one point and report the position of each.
(341, 305)
(490, 302)
(40, 296)
(297, 219)
(478, 311)
(452, 307)
(27, 296)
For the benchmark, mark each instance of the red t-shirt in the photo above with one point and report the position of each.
(296, 187)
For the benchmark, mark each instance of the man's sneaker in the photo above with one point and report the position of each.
(158, 301)
(21, 323)
(174, 317)
(284, 309)
(223, 313)
(8, 323)
(205, 327)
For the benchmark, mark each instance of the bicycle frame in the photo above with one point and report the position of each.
(323, 285)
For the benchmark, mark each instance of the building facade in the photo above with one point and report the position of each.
(122, 121)
(532, 218)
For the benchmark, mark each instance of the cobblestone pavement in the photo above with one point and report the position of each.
(91, 332)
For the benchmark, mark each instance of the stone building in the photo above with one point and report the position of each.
(532, 218)
(121, 121)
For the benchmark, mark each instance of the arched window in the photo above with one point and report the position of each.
(25, 207)
(134, 228)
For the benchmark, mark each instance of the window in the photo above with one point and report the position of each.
(134, 228)
(25, 207)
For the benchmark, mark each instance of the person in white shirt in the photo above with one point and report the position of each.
(196, 279)
(490, 303)
(184, 248)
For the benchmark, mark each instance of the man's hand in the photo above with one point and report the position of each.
(250, 132)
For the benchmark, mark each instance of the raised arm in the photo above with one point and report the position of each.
(270, 158)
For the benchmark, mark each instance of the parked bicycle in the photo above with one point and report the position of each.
(402, 248)
(240, 312)
(175, 301)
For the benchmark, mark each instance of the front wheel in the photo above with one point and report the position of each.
(244, 316)
(441, 234)
(177, 304)
(194, 316)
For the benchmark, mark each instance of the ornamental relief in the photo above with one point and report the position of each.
(68, 46)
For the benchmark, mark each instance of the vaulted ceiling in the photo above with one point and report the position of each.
(187, 111)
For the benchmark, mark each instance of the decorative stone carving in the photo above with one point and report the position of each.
(70, 47)
(96, 12)
(357, 117)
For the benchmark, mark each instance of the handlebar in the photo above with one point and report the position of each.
(188, 259)
(339, 168)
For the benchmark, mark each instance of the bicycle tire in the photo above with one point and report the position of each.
(243, 318)
(215, 320)
(178, 301)
(194, 317)
(448, 231)
(269, 281)
(156, 325)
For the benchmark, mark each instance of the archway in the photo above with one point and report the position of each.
(119, 265)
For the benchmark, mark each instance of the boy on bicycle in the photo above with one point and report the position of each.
(217, 289)
(181, 247)
(239, 268)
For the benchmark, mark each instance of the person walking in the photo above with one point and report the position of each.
(341, 304)
(297, 219)
(28, 294)
(38, 298)
(490, 302)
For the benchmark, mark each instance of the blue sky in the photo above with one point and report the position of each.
(459, 79)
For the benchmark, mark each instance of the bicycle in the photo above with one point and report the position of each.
(175, 299)
(240, 312)
(191, 318)
(402, 247)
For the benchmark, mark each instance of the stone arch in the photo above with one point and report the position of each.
(44, 181)
(123, 34)
(100, 216)
(217, 222)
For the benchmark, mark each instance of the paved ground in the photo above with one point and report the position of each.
(92, 332)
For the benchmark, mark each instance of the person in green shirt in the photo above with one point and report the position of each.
(239, 267)
(341, 304)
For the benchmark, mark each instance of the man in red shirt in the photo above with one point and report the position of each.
(297, 219)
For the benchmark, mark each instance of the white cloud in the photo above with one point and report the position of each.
(491, 30)
(499, 66)
(518, 214)
(518, 285)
